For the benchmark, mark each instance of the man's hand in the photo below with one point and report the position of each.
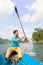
(25, 40)
(23, 37)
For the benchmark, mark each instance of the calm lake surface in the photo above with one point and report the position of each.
(35, 49)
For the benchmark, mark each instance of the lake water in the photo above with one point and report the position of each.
(35, 49)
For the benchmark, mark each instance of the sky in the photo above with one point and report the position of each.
(30, 12)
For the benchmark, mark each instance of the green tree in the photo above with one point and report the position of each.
(37, 34)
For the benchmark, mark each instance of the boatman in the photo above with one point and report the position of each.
(16, 40)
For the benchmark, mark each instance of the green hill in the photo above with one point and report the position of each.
(4, 41)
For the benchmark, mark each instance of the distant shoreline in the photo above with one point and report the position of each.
(4, 41)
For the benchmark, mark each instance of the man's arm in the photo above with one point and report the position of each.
(16, 40)
(22, 39)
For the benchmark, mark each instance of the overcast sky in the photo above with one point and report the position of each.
(31, 14)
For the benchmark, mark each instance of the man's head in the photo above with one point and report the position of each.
(15, 32)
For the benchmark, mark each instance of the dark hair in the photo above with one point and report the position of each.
(15, 31)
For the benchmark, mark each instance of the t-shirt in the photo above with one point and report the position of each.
(15, 44)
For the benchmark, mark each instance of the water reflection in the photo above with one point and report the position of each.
(38, 49)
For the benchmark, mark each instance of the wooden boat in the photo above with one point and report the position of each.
(26, 60)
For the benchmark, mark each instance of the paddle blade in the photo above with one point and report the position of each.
(16, 11)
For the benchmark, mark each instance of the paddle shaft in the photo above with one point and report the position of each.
(20, 21)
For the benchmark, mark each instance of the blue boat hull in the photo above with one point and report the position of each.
(26, 60)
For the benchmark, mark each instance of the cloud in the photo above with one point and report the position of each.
(28, 7)
(11, 27)
(37, 6)
(6, 7)
(7, 32)
(26, 17)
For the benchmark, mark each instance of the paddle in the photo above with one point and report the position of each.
(16, 10)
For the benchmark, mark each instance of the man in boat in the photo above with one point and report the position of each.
(16, 40)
